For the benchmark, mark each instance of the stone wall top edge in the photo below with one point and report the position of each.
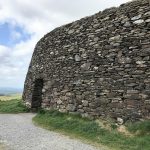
(102, 14)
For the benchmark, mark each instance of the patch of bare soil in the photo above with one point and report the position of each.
(122, 129)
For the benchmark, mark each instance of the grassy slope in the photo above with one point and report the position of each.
(12, 104)
(140, 128)
(10, 97)
(91, 131)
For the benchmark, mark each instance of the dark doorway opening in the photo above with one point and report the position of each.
(37, 94)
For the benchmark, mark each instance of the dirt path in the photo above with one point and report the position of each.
(18, 133)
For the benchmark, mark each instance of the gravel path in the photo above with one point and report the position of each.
(17, 132)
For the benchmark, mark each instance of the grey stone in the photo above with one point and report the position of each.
(71, 107)
(98, 65)
(132, 91)
(77, 58)
(96, 39)
(148, 20)
(120, 121)
(140, 62)
(59, 102)
(28, 104)
(43, 90)
(80, 110)
(106, 18)
(138, 21)
(147, 13)
(127, 24)
(115, 38)
(71, 31)
(136, 17)
(85, 103)
(86, 66)
(51, 53)
(95, 68)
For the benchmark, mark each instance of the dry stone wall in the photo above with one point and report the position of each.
(98, 66)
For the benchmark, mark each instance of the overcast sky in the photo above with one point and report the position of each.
(24, 22)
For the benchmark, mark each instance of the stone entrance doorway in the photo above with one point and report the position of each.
(37, 94)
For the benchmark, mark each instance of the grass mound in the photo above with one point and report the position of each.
(140, 128)
(90, 130)
(12, 106)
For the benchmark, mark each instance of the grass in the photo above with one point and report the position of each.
(12, 106)
(139, 128)
(10, 97)
(86, 129)
(90, 130)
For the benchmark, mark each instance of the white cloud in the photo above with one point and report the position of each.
(15, 35)
(4, 55)
(3, 50)
(37, 17)
(43, 15)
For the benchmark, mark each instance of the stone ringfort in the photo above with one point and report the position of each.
(98, 66)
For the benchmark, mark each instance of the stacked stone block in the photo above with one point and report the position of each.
(98, 66)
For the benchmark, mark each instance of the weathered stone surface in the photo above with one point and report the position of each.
(97, 66)
(127, 24)
(147, 14)
(71, 31)
(120, 121)
(138, 21)
(148, 20)
(85, 103)
(136, 17)
(115, 38)
(59, 102)
(86, 66)
(71, 107)
(77, 58)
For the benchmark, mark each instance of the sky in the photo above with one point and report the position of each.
(24, 22)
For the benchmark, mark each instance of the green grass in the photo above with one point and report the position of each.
(91, 131)
(12, 106)
(140, 128)
(86, 129)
